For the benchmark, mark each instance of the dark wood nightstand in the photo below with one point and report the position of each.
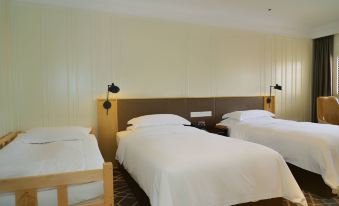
(220, 130)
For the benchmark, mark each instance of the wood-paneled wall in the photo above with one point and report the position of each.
(63, 59)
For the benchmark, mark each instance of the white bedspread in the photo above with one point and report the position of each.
(178, 165)
(21, 159)
(314, 147)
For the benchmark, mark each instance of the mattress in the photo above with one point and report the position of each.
(20, 159)
(178, 165)
(313, 147)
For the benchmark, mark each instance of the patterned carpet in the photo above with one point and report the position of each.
(124, 196)
(315, 200)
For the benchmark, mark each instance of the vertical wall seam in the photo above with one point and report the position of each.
(43, 71)
(187, 68)
(67, 42)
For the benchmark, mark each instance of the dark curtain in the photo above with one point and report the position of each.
(322, 70)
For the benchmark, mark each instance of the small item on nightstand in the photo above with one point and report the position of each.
(201, 124)
(220, 130)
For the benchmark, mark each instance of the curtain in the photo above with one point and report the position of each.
(322, 70)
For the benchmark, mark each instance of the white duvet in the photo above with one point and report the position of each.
(314, 147)
(20, 159)
(178, 165)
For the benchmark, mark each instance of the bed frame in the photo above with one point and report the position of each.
(7, 139)
(26, 188)
(143, 199)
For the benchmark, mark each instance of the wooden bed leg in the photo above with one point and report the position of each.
(26, 198)
(108, 184)
(62, 195)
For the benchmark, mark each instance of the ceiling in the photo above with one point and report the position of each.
(309, 18)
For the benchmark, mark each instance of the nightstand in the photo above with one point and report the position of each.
(220, 130)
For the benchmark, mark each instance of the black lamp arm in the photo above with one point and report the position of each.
(276, 86)
(268, 100)
(107, 94)
(110, 88)
(107, 104)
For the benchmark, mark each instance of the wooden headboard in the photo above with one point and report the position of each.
(125, 109)
(130, 108)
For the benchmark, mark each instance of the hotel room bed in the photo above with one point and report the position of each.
(179, 165)
(24, 157)
(310, 146)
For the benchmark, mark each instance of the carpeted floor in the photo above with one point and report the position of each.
(124, 196)
(315, 200)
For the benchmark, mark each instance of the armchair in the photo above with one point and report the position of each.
(328, 110)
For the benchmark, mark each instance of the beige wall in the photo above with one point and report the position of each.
(7, 119)
(64, 58)
(335, 65)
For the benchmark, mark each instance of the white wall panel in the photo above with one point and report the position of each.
(7, 118)
(28, 81)
(57, 65)
(63, 59)
(239, 58)
(154, 58)
(82, 77)
(291, 67)
(200, 62)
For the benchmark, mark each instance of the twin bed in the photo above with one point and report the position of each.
(310, 146)
(179, 165)
(54, 166)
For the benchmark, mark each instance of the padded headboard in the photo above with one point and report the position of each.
(130, 108)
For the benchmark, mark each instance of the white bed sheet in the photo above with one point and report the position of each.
(313, 147)
(178, 165)
(20, 159)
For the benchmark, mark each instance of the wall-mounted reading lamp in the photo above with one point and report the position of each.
(110, 88)
(278, 87)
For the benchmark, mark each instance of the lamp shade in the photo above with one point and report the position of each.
(113, 88)
(278, 87)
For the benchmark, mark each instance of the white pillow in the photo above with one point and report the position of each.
(228, 122)
(248, 114)
(157, 120)
(53, 134)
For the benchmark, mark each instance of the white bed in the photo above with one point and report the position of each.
(20, 159)
(179, 165)
(313, 147)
